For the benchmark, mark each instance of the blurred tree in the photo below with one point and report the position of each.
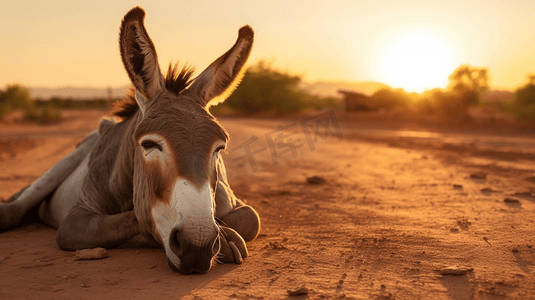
(467, 78)
(15, 97)
(466, 84)
(524, 100)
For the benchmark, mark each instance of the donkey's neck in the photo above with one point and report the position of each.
(121, 181)
(107, 189)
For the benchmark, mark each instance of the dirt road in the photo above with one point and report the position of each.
(386, 213)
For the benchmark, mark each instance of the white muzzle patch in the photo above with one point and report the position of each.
(191, 210)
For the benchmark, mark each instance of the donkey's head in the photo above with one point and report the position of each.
(177, 144)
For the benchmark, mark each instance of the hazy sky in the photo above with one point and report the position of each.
(411, 44)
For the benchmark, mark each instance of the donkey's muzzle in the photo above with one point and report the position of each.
(195, 257)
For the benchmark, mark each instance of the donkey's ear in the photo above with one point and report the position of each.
(222, 77)
(139, 56)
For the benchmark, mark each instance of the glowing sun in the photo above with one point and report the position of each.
(416, 61)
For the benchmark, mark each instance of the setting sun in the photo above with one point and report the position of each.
(416, 61)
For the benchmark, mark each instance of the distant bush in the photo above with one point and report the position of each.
(390, 99)
(523, 105)
(264, 88)
(426, 102)
(451, 105)
(15, 97)
(69, 103)
(43, 116)
(445, 104)
(318, 102)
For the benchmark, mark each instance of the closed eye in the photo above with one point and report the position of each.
(150, 145)
(222, 147)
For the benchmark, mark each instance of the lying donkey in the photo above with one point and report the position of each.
(157, 173)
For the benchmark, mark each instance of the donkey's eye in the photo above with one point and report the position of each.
(150, 145)
(219, 148)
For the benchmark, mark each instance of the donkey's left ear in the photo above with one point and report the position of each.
(139, 57)
(222, 77)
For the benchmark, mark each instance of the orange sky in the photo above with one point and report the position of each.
(71, 43)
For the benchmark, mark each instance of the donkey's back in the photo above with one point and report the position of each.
(94, 174)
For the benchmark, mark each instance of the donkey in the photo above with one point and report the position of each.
(157, 172)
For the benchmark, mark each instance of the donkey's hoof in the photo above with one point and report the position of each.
(245, 221)
(233, 248)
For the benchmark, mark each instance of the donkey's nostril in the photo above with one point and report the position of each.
(176, 241)
(193, 256)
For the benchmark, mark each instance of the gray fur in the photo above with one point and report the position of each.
(102, 193)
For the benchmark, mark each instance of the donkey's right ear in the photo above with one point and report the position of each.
(139, 57)
(222, 77)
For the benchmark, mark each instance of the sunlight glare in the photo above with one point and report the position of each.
(417, 61)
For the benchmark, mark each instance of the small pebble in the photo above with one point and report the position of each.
(302, 290)
(455, 271)
(96, 253)
(277, 246)
(511, 200)
(315, 180)
(487, 190)
(478, 175)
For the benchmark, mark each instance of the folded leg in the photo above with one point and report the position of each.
(19, 204)
(240, 223)
(83, 229)
(232, 211)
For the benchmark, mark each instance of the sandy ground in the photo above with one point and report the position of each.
(393, 213)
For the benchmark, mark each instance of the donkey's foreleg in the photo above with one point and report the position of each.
(13, 212)
(245, 221)
(235, 213)
(232, 211)
(240, 224)
(83, 229)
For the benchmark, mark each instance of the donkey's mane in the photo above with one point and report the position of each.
(176, 81)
